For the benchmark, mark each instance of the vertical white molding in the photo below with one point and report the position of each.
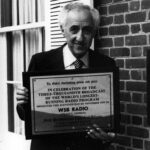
(47, 25)
(3, 87)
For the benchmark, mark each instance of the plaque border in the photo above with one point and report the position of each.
(114, 70)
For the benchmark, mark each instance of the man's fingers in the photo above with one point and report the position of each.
(97, 133)
(90, 133)
(21, 98)
(23, 89)
(22, 94)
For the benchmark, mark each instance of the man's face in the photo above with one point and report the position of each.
(79, 31)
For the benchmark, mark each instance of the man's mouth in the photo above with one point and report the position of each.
(79, 44)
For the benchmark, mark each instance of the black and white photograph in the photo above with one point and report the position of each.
(75, 74)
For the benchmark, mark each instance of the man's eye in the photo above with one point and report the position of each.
(87, 30)
(74, 29)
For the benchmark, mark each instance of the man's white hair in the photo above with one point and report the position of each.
(76, 5)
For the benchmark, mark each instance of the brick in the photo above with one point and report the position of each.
(102, 2)
(122, 85)
(104, 21)
(136, 51)
(137, 132)
(135, 6)
(116, 1)
(125, 119)
(103, 31)
(144, 75)
(146, 122)
(145, 4)
(124, 75)
(136, 86)
(136, 120)
(122, 129)
(104, 51)
(146, 27)
(137, 143)
(119, 52)
(136, 75)
(118, 8)
(125, 141)
(137, 97)
(135, 28)
(104, 42)
(122, 107)
(147, 145)
(119, 30)
(149, 39)
(120, 63)
(136, 109)
(103, 11)
(145, 49)
(119, 19)
(136, 17)
(136, 40)
(125, 96)
(135, 63)
(145, 98)
(119, 41)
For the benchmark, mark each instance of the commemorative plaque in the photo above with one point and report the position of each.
(70, 101)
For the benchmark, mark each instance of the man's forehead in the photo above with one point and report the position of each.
(80, 24)
(79, 16)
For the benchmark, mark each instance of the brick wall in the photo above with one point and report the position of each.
(124, 34)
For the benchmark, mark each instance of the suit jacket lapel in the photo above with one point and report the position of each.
(92, 61)
(58, 60)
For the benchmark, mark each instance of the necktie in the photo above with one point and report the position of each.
(78, 64)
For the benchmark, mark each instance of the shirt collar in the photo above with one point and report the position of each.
(69, 58)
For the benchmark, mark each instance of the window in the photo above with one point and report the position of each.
(21, 35)
(21, 45)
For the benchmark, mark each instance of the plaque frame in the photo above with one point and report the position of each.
(115, 119)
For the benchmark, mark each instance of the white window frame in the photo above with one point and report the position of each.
(3, 95)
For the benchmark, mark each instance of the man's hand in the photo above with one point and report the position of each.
(22, 94)
(97, 133)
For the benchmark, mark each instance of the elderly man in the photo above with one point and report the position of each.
(78, 23)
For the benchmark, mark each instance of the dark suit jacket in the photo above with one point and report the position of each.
(53, 60)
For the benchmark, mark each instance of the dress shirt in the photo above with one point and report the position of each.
(69, 59)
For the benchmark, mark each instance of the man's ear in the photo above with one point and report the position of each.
(94, 32)
(62, 30)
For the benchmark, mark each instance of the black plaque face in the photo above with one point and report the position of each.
(71, 101)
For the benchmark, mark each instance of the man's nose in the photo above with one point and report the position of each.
(80, 36)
